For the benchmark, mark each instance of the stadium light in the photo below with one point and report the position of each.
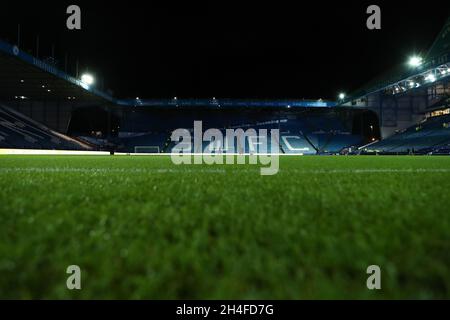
(87, 79)
(341, 96)
(415, 61)
(430, 78)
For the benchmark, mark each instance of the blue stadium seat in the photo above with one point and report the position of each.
(20, 132)
(428, 135)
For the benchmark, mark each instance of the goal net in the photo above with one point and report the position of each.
(146, 149)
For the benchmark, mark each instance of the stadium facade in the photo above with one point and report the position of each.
(44, 107)
(412, 102)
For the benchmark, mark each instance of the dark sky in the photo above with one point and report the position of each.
(312, 49)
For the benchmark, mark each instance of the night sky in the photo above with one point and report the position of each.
(313, 49)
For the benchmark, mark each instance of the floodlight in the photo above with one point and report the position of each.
(341, 96)
(415, 61)
(430, 78)
(87, 79)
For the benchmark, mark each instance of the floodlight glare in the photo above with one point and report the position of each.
(430, 78)
(87, 79)
(341, 96)
(415, 61)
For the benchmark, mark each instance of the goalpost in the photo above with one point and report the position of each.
(146, 149)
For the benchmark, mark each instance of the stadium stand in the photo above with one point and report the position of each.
(431, 134)
(296, 137)
(19, 131)
(153, 142)
(382, 107)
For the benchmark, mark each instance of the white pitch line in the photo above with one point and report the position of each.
(212, 170)
(370, 170)
(107, 170)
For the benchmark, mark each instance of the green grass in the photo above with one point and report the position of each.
(140, 227)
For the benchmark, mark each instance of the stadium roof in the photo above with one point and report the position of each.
(439, 54)
(23, 76)
(228, 103)
(441, 45)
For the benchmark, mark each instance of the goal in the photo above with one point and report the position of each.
(146, 149)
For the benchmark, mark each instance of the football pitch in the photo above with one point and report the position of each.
(142, 227)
